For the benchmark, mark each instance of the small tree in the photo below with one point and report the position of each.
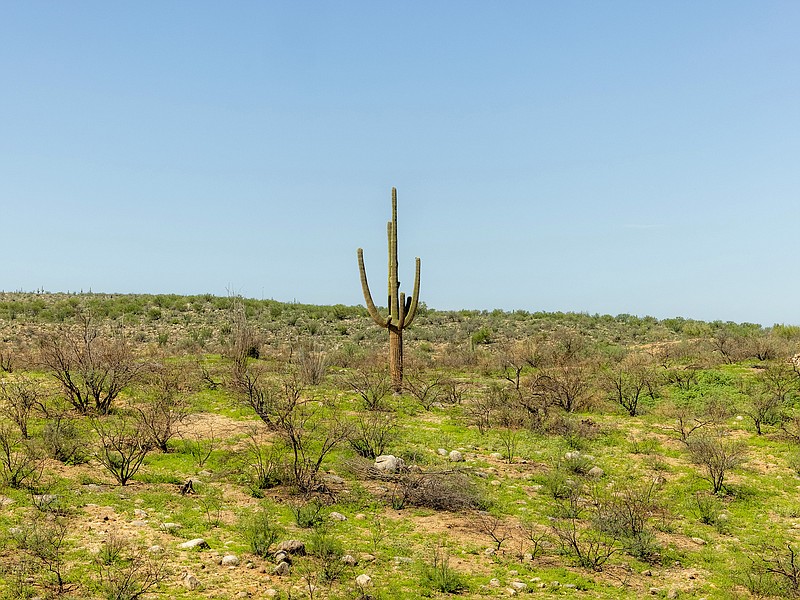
(91, 368)
(165, 409)
(19, 398)
(717, 455)
(122, 446)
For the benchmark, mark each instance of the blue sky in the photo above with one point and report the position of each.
(608, 157)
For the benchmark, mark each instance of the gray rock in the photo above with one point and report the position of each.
(596, 472)
(388, 463)
(700, 541)
(518, 585)
(337, 516)
(195, 543)
(441, 452)
(229, 560)
(363, 580)
(293, 547)
(349, 560)
(138, 523)
(281, 569)
(190, 582)
(455, 456)
(139, 513)
(170, 526)
(494, 582)
(155, 549)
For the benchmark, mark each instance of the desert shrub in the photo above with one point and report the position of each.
(260, 531)
(328, 551)
(311, 362)
(126, 571)
(263, 464)
(122, 446)
(44, 539)
(439, 576)
(308, 514)
(19, 463)
(370, 434)
(439, 491)
(371, 385)
(20, 397)
(717, 456)
(63, 439)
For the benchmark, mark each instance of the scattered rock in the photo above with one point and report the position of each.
(282, 555)
(170, 526)
(271, 593)
(518, 585)
(511, 591)
(138, 523)
(496, 455)
(570, 586)
(388, 463)
(139, 513)
(333, 479)
(647, 573)
(495, 482)
(455, 456)
(366, 557)
(337, 516)
(349, 560)
(672, 594)
(494, 582)
(596, 472)
(363, 580)
(195, 543)
(441, 452)
(281, 569)
(229, 560)
(293, 547)
(189, 581)
(360, 517)
(243, 595)
(700, 541)
(155, 549)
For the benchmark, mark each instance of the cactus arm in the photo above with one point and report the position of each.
(411, 311)
(373, 311)
(403, 306)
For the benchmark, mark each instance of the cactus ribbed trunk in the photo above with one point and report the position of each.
(402, 310)
(396, 358)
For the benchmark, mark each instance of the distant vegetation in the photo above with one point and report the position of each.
(166, 443)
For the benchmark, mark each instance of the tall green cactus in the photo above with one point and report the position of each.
(402, 310)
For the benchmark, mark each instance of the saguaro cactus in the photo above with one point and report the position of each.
(402, 310)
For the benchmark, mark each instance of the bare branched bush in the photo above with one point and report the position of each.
(425, 390)
(491, 526)
(311, 362)
(64, 439)
(370, 434)
(127, 571)
(20, 398)
(689, 419)
(122, 446)
(264, 463)
(165, 408)
(19, 463)
(371, 385)
(630, 381)
(717, 455)
(91, 368)
(44, 539)
(450, 491)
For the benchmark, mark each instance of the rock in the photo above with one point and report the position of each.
(195, 543)
(495, 482)
(349, 560)
(281, 569)
(139, 513)
(282, 555)
(271, 593)
(494, 582)
(570, 586)
(518, 585)
(138, 523)
(337, 516)
(366, 557)
(243, 595)
(496, 455)
(333, 479)
(654, 591)
(403, 560)
(155, 549)
(388, 463)
(672, 594)
(229, 560)
(596, 472)
(699, 541)
(293, 547)
(455, 456)
(170, 526)
(441, 452)
(511, 591)
(363, 580)
(360, 517)
(190, 582)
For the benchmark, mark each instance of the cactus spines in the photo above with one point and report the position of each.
(402, 309)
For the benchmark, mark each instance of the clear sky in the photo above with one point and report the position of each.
(610, 157)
